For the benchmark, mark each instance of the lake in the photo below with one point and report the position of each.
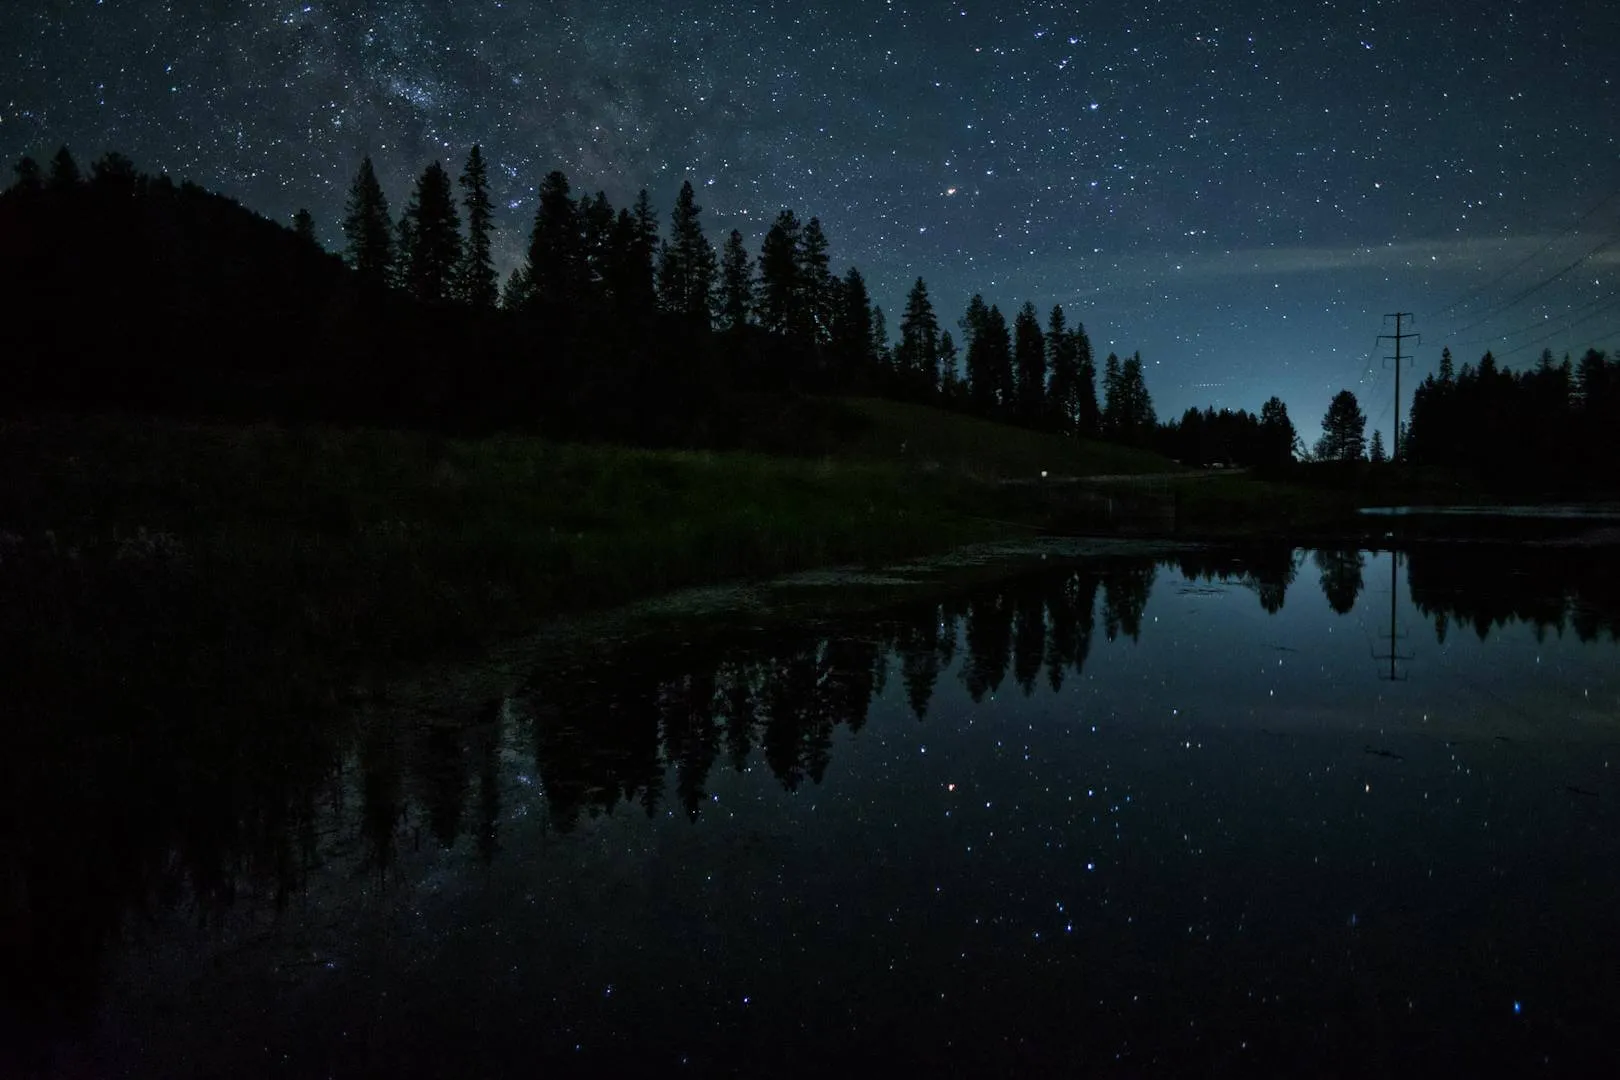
(1134, 811)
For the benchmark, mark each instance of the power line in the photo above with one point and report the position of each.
(1543, 249)
(1539, 324)
(1532, 290)
(1566, 328)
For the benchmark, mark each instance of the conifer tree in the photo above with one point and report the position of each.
(643, 251)
(368, 229)
(951, 387)
(686, 273)
(1343, 429)
(477, 284)
(981, 380)
(881, 356)
(814, 283)
(1029, 365)
(736, 284)
(780, 264)
(434, 259)
(1277, 435)
(517, 292)
(634, 250)
(399, 272)
(1139, 416)
(1090, 415)
(1114, 407)
(114, 172)
(917, 355)
(1375, 451)
(1000, 357)
(556, 261)
(1063, 359)
(852, 334)
(65, 174)
(29, 176)
(304, 225)
(597, 221)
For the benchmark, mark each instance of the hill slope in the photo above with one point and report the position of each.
(930, 437)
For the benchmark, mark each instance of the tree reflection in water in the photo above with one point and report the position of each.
(137, 794)
(1341, 577)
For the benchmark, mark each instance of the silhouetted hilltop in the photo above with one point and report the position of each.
(131, 292)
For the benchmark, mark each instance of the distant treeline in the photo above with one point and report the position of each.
(131, 291)
(1207, 437)
(1556, 426)
(1558, 423)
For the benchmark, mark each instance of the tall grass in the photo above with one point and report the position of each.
(391, 544)
(922, 436)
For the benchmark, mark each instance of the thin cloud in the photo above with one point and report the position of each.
(1408, 255)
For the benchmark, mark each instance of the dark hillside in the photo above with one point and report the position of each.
(137, 294)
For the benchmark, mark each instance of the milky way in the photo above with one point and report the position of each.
(1238, 191)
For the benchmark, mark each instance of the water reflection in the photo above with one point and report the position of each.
(1556, 589)
(229, 817)
(1341, 577)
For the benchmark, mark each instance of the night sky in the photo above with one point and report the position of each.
(1236, 190)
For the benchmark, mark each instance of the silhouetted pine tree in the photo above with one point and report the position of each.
(303, 225)
(1063, 359)
(434, 257)
(634, 244)
(1375, 451)
(981, 378)
(882, 358)
(1597, 410)
(1139, 418)
(852, 335)
(30, 179)
(1344, 428)
(686, 273)
(736, 284)
(916, 357)
(780, 264)
(65, 175)
(477, 279)
(1277, 434)
(555, 269)
(1090, 413)
(999, 339)
(115, 174)
(815, 285)
(368, 229)
(1113, 410)
(1029, 366)
(517, 292)
(597, 222)
(951, 387)
(399, 274)
(643, 252)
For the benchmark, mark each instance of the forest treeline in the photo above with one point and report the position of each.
(131, 291)
(134, 291)
(1556, 425)
(1558, 422)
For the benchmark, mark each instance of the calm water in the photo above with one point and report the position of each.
(1322, 810)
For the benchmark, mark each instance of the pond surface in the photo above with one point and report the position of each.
(1320, 810)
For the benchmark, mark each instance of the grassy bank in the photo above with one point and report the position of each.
(928, 439)
(400, 544)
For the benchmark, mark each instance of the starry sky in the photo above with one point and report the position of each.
(1240, 190)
